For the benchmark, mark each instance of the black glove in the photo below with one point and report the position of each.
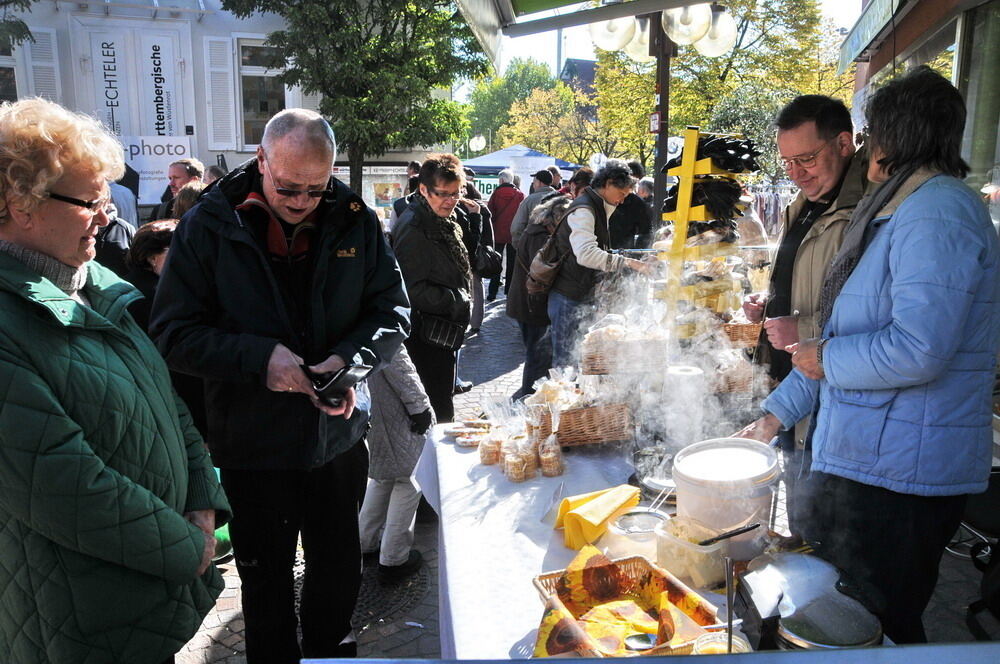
(421, 422)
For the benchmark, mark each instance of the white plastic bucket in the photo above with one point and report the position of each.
(726, 483)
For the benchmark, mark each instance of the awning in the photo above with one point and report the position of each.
(866, 33)
(489, 19)
(143, 8)
(494, 162)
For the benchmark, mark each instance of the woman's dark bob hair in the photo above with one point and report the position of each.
(917, 120)
(150, 240)
(614, 172)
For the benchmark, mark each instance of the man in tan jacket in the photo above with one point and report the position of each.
(816, 146)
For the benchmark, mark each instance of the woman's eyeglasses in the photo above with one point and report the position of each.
(805, 161)
(446, 194)
(94, 206)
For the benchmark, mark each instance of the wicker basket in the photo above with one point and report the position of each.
(742, 335)
(633, 356)
(634, 569)
(607, 423)
(735, 379)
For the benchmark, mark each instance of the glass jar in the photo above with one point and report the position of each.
(633, 534)
(717, 643)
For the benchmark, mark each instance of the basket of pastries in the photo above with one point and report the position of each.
(596, 603)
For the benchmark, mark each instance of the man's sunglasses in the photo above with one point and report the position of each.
(293, 193)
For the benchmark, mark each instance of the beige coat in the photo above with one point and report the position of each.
(817, 250)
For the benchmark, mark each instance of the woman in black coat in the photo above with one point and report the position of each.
(430, 248)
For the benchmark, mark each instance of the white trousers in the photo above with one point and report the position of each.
(389, 512)
(478, 302)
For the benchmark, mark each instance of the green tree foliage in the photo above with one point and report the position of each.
(376, 64)
(778, 41)
(13, 30)
(782, 50)
(750, 110)
(492, 98)
(535, 120)
(625, 100)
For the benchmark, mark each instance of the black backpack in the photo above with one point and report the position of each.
(989, 588)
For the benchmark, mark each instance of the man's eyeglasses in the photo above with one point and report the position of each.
(446, 194)
(94, 206)
(805, 161)
(292, 193)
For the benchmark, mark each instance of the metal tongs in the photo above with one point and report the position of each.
(661, 498)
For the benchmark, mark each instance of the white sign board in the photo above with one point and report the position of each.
(158, 85)
(110, 68)
(151, 157)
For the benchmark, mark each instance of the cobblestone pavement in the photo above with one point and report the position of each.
(407, 626)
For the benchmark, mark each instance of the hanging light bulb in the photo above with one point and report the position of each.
(638, 48)
(721, 37)
(614, 34)
(687, 25)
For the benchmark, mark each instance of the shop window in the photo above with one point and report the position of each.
(262, 93)
(978, 83)
(937, 52)
(8, 81)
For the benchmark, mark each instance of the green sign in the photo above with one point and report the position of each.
(875, 17)
(486, 186)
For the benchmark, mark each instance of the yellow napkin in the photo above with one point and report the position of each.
(584, 518)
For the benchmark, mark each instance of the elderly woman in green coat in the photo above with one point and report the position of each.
(108, 500)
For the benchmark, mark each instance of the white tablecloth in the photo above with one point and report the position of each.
(493, 543)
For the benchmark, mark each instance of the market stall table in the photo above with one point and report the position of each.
(495, 537)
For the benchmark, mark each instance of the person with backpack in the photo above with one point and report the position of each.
(527, 308)
(584, 245)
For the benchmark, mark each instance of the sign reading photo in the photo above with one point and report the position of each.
(151, 157)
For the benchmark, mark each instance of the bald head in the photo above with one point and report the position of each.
(304, 129)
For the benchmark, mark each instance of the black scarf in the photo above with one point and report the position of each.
(448, 232)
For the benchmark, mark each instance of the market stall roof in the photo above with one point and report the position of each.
(489, 19)
(494, 162)
(876, 23)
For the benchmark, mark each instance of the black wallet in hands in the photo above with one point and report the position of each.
(331, 387)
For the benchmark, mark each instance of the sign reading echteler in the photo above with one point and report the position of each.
(151, 157)
(111, 74)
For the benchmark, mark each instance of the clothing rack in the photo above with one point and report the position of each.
(769, 201)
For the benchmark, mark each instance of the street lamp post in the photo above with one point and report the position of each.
(663, 49)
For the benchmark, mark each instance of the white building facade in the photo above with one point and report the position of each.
(188, 80)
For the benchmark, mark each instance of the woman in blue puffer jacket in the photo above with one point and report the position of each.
(900, 381)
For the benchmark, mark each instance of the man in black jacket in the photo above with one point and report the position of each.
(278, 266)
(630, 226)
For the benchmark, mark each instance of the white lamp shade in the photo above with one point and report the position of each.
(477, 143)
(687, 25)
(638, 48)
(721, 37)
(614, 34)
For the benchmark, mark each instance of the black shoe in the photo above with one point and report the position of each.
(472, 331)
(490, 298)
(399, 572)
(462, 386)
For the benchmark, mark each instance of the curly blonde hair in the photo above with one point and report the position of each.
(40, 141)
